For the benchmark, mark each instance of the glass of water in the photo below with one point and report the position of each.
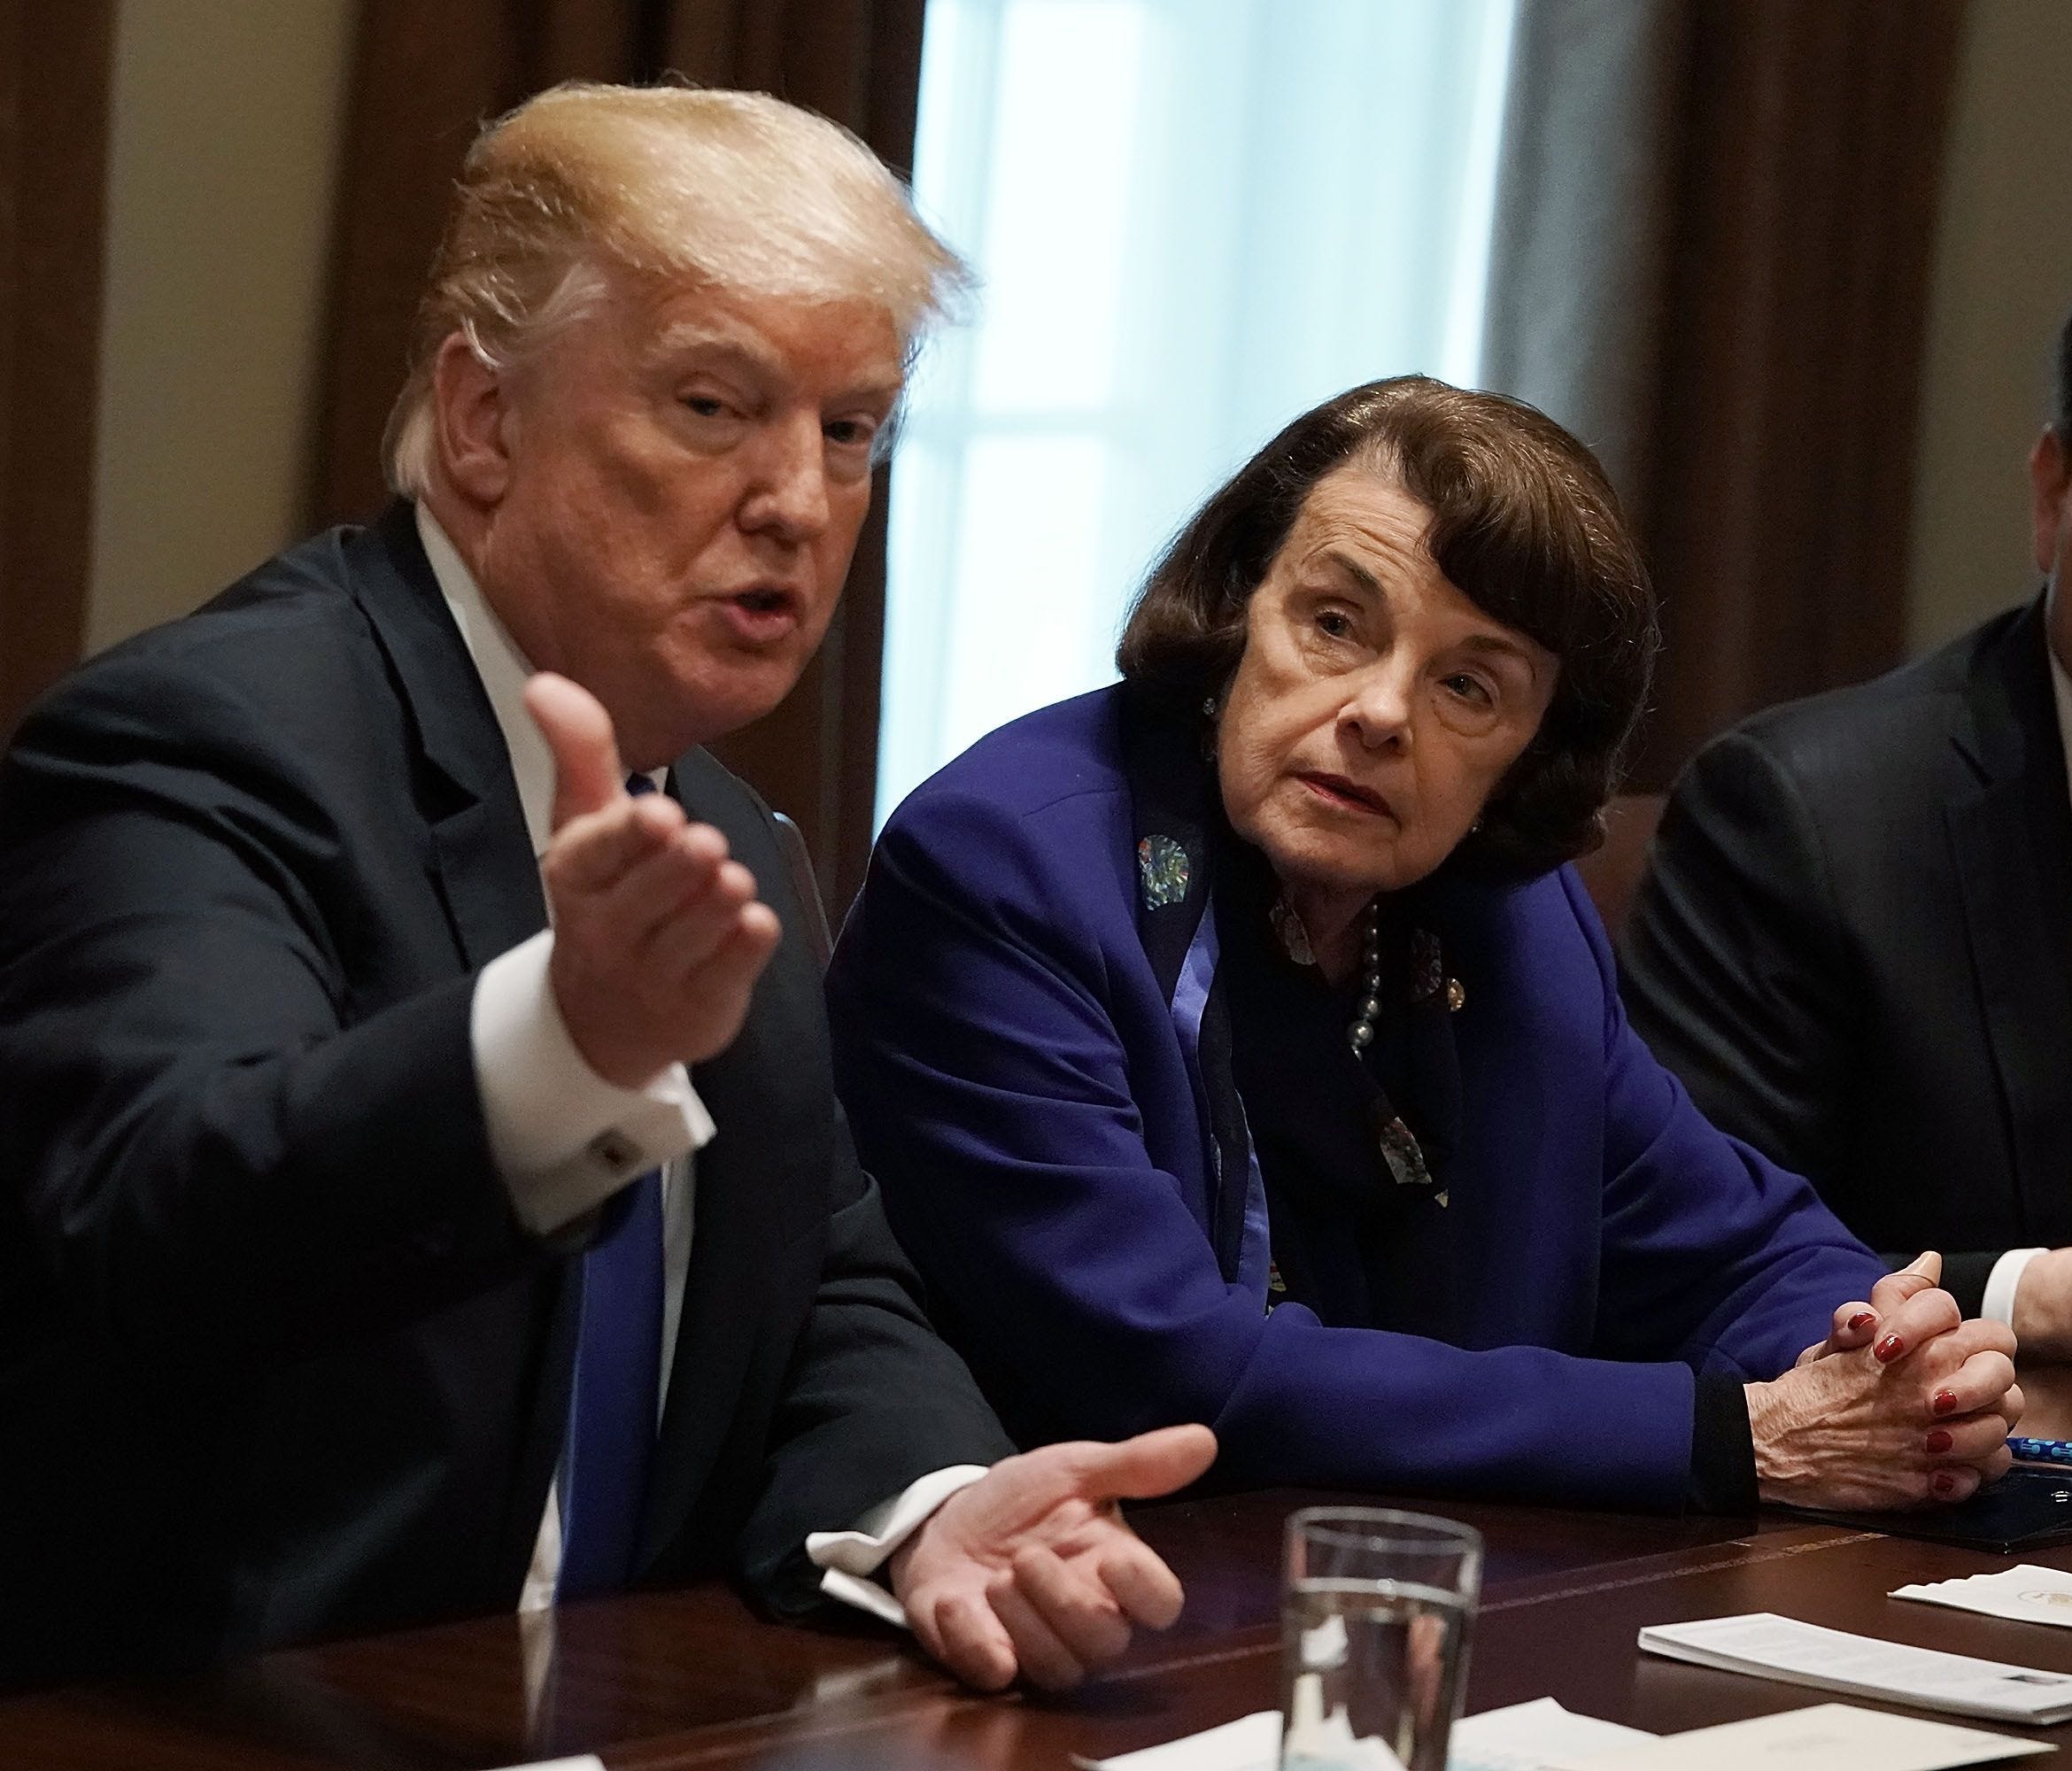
(1374, 1614)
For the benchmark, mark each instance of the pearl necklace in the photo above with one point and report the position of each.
(1294, 941)
(1360, 1034)
(1398, 1144)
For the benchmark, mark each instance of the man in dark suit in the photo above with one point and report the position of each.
(1854, 941)
(423, 1191)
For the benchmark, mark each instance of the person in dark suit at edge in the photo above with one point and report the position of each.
(1853, 942)
(424, 1193)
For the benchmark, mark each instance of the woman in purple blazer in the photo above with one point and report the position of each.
(1232, 1045)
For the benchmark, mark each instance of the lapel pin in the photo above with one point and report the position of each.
(1429, 978)
(1162, 872)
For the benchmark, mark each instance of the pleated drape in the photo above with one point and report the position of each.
(1715, 232)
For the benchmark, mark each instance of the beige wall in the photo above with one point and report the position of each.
(2003, 282)
(226, 117)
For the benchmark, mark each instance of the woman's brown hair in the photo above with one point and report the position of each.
(1523, 521)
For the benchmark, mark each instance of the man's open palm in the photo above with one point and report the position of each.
(1031, 1569)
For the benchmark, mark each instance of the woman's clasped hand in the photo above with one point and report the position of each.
(1905, 1403)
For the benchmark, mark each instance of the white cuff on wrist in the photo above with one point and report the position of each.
(564, 1138)
(849, 1558)
(1997, 1305)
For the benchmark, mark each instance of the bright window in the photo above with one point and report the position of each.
(1193, 219)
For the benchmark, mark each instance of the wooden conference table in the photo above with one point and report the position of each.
(691, 1679)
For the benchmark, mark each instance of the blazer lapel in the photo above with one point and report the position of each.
(481, 855)
(2011, 842)
(1172, 815)
(1177, 825)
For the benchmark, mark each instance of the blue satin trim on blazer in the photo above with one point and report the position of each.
(1248, 1262)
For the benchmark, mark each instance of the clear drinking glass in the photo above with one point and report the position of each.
(1374, 1614)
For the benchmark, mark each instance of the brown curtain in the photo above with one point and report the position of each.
(428, 72)
(55, 68)
(1713, 236)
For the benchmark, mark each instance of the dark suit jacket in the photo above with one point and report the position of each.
(1855, 947)
(276, 1359)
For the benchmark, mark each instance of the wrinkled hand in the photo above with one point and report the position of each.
(658, 935)
(1911, 1408)
(1858, 1324)
(1032, 1568)
(2043, 1307)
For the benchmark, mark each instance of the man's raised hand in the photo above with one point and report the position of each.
(659, 937)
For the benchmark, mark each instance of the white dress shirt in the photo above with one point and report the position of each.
(2006, 1278)
(564, 1139)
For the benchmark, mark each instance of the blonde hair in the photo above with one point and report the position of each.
(737, 189)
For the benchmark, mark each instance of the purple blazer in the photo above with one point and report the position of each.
(1018, 1043)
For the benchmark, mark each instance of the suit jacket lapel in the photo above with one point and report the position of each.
(2010, 841)
(481, 859)
(481, 855)
(761, 1180)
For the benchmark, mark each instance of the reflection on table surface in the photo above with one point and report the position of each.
(691, 1678)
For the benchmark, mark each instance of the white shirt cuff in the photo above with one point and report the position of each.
(1998, 1305)
(847, 1559)
(564, 1138)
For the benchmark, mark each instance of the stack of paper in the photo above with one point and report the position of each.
(1823, 1737)
(1834, 1660)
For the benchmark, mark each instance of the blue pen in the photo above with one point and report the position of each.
(2041, 1450)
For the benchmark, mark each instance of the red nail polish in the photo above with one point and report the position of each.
(1862, 1320)
(1944, 1483)
(1937, 1443)
(1945, 1402)
(1890, 1347)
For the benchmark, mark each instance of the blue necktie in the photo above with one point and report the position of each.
(612, 1405)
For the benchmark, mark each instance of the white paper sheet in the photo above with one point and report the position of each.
(1249, 1744)
(1520, 1737)
(589, 1761)
(1832, 1659)
(1534, 1736)
(2027, 1593)
(1823, 1737)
